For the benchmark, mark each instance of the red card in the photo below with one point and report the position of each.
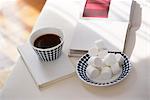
(96, 8)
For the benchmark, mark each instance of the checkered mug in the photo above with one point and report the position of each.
(48, 54)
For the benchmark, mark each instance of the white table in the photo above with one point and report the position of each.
(136, 86)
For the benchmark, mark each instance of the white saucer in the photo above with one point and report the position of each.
(82, 66)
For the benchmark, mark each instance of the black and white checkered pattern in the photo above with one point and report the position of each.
(82, 66)
(49, 55)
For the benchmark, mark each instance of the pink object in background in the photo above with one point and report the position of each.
(96, 8)
(99, 1)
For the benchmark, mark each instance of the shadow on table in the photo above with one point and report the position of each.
(117, 89)
(135, 22)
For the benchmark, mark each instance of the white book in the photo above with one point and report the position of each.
(120, 10)
(76, 53)
(113, 33)
(46, 73)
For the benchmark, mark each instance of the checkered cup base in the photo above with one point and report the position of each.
(48, 54)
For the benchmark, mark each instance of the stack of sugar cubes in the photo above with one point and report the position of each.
(103, 65)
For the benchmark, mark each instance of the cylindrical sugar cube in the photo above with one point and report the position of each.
(100, 44)
(92, 72)
(115, 68)
(102, 53)
(93, 51)
(98, 62)
(110, 59)
(105, 73)
(119, 59)
(95, 62)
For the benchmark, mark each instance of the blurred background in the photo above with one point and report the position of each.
(17, 18)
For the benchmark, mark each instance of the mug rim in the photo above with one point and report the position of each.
(47, 49)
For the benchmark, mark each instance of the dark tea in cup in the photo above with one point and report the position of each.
(47, 41)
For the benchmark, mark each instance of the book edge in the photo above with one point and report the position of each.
(27, 67)
(46, 84)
